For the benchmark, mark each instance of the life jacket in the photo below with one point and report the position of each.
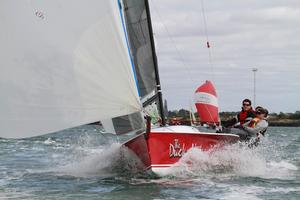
(243, 115)
(253, 122)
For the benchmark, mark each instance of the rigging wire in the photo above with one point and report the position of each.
(169, 36)
(180, 56)
(210, 59)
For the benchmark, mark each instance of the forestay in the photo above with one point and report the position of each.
(63, 63)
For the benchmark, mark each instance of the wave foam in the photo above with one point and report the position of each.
(232, 160)
(104, 162)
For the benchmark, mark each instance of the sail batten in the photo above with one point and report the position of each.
(62, 68)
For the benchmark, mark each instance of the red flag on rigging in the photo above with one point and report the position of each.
(207, 43)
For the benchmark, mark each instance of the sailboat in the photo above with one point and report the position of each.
(69, 63)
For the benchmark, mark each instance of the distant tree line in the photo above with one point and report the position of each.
(182, 113)
(185, 114)
(281, 115)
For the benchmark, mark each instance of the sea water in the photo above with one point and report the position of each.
(85, 163)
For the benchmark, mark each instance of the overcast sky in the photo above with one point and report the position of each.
(243, 34)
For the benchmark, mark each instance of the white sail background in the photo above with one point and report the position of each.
(63, 63)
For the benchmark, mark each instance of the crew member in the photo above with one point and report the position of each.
(258, 125)
(254, 128)
(246, 114)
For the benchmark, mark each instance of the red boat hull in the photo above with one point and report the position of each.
(163, 149)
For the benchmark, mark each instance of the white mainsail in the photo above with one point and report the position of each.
(63, 63)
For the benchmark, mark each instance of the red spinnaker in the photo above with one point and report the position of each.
(207, 103)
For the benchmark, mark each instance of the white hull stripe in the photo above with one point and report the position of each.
(161, 165)
(206, 98)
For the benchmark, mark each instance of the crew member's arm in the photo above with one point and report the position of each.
(231, 122)
(259, 128)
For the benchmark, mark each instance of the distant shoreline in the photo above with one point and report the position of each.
(285, 123)
(275, 119)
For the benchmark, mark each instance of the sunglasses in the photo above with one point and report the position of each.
(260, 112)
(245, 104)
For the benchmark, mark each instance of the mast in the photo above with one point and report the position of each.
(161, 108)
